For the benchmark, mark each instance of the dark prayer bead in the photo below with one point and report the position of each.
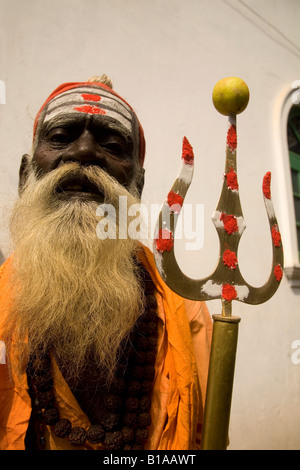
(152, 342)
(43, 382)
(142, 343)
(145, 403)
(149, 372)
(113, 403)
(44, 365)
(151, 301)
(62, 428)
(146, 386)
(46, 399)
(77, 436)
(150, 357)
(113, 440)
(141, 435)
(118, 385)
(131, 404)
(95, 434)
(139, 357)
(144, 420)
(150, 315)
(110, 421)
(149, 286)
(50, 416)
(134, 387)
(149, 328)
(130, 419)
(127, 434)
(137, 372)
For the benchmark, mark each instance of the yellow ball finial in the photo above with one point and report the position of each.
(230, 96)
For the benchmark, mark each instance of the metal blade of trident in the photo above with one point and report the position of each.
(226, 282)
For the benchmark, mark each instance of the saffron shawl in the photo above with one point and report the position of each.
(178, 398)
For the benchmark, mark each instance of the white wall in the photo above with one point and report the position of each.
(164, 57)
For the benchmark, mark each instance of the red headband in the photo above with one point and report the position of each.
(68, 86)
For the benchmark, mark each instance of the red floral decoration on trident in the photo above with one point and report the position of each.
(187, 152)
(230, 259)
(175, 201)
(228, 292)
(276, 236)
(165, 241)
(267, 185)
(231, 179)
(278, 273)
(232, 138)
(230, 223)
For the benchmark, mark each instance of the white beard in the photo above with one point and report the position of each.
(73, 293)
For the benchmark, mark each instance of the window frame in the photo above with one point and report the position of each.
(285, 207)
(295, 163)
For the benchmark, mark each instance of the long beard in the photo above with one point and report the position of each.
(74, 293)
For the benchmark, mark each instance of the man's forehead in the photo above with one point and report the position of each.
(89, 101)
(74, 121)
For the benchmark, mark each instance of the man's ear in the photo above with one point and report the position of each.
(24, 171)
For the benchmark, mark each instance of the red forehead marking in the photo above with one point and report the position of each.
(90, 97)
(89, 109)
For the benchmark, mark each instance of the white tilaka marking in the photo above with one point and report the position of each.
(111, 105)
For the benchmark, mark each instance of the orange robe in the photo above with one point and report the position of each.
(185, 329)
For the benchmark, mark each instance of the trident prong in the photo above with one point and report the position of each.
(225, 283)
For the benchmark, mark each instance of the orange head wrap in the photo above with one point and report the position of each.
(89, 103)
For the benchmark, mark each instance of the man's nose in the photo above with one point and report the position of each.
(84, 150)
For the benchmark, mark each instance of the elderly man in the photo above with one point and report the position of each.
(96, 351)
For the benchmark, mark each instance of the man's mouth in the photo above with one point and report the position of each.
(79, 186)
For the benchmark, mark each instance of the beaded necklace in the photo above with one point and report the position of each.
(126, 415)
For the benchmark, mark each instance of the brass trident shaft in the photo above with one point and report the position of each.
(225, 283)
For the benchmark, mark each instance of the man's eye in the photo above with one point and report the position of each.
(59, 137)
(114, 147)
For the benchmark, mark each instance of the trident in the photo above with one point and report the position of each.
(226, 282)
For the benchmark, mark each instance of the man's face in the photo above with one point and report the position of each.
(71, 133)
